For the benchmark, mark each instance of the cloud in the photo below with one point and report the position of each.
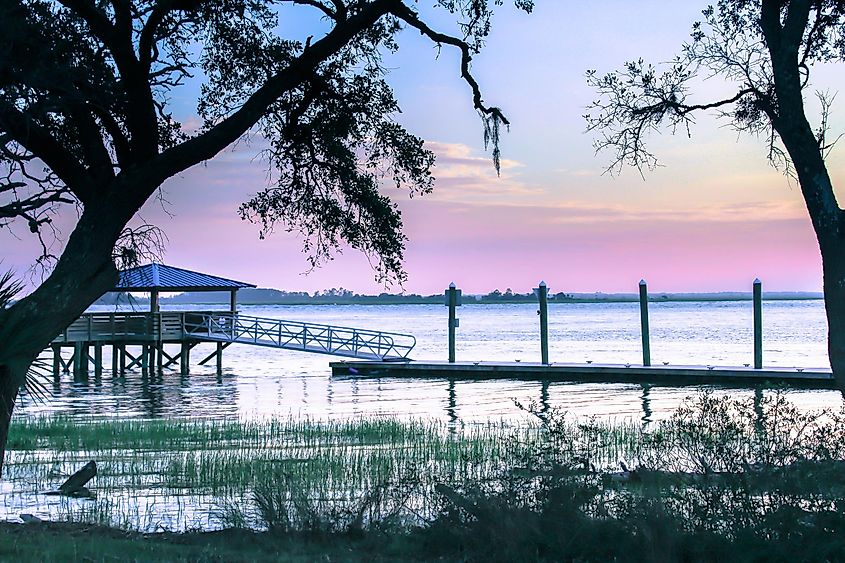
(462, 176)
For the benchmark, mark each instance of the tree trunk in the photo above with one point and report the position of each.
(9, 384)
(83, 273)
(833, 262)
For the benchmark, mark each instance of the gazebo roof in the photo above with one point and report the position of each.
(158, 277)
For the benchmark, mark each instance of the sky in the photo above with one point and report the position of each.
(713, 217)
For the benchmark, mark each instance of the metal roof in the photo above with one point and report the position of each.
(167, 278)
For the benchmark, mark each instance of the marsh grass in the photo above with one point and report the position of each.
(717, 464)
(174, 466)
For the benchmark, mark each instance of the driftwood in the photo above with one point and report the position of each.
(75, 485)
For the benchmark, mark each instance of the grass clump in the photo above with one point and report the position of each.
(719, 480)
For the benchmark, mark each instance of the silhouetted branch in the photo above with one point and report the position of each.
(493, 116)
(136, 245)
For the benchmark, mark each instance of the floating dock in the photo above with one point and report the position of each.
(669, 375)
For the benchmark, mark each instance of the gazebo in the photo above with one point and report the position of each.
(159, 278)
(150, 331)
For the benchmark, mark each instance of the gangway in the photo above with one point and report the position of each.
(297, 335)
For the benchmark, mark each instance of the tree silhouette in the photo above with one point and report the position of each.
(86, 121)
(766, 49)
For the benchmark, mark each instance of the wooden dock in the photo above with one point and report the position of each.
(142, 339)
(669, 375)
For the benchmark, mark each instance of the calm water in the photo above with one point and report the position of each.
(266, 382)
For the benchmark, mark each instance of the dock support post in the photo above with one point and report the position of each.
(144, 359)
(543, 296)
(758, 324)
(185, 359)
(452, 303)
(98, 359)
(219, 358)
(80, 359)
(114, 359)
(159, 350)
(122, 351)
(644, 323)
(57, 360)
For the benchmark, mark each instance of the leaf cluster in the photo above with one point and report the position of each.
(86, 110)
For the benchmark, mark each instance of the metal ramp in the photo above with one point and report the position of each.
(296, 335)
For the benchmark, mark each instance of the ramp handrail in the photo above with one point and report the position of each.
(297, 335)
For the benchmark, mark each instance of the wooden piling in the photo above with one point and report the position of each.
(145, 359)
(758, 324)
(185, 359)
(80, 359)
(98, 359)
(644, 323)
(219, 358)
(452, 303)
(543, 297)
(57, 360)
(114, 359)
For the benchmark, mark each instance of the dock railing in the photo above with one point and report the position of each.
(297, 335)
(224, 326)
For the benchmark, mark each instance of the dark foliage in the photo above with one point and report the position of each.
(85, 92)
(717, 481)
(86, 121)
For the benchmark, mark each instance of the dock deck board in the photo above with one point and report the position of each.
(671, 375)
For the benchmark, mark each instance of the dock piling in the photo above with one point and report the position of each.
(57, 360)
(98, 359)
(543, 297)
(80, 359)
(758, 324)
(644, 323)
(185, 359)
(115, 359)
(145, 360)
(453, 296)
(219, 358)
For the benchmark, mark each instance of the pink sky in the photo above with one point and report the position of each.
(713, 218)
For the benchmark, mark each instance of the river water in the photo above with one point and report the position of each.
(260, 382)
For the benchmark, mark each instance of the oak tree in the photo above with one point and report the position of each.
(765, 50)
(86, 121)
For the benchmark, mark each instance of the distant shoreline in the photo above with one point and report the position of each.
(275, 297)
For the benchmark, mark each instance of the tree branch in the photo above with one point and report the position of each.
(117, 38)
(684, 109)
(407, 15)
(320, 6)
(206, 145)
(122, 150)
(39, 142)
(91, 139)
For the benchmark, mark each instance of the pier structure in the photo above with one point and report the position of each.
(141, 339)
(155, 340)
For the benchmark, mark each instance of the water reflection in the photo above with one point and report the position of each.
(266, 382)
(452, 402)
(319, 395)
(544, 398)
(759, 416)
(646, 401)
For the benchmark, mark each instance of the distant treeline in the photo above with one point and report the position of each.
(265, 296)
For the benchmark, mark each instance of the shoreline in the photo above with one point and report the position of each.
(471, 301)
